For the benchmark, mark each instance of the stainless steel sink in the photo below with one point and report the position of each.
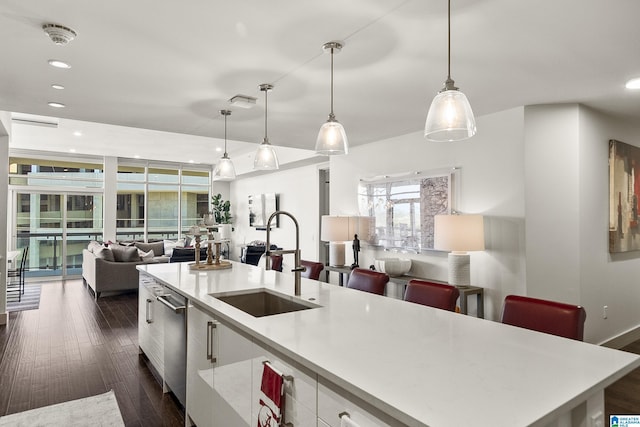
(261, 302)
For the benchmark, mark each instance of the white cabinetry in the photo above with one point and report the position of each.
(151, 322)
(300, 393)
(332, 401)
(219, 361)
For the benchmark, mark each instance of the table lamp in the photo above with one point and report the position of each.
(335, 230)
(459, 234)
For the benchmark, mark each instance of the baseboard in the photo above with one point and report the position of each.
(4, 318)
(624, 339)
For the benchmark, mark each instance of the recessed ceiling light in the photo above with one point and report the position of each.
(72, 150)
(633, 84)
(137, 156)
(58, 64)
(77, 133)
(191, 161)
(56, 86)
(218, 149)
(56, 105)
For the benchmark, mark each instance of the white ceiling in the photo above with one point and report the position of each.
(170, 66)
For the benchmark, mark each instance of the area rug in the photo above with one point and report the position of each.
(100, 410)
(30, 299)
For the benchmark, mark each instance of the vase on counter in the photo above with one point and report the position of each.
(224, 231)
(208, 219)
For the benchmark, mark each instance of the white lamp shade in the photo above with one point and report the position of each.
(224, 171)
(362, 226)
(459, 233)
(335, 229)
(332, 139)
(266, 158)
(450, 117)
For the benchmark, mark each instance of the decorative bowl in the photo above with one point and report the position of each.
(393, 266)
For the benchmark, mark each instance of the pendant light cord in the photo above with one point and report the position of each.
(332, 115)
(225, 135)
(449, 40)
(266, 104)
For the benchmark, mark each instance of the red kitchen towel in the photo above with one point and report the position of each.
(271, 397)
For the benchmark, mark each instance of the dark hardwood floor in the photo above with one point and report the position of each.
(623, 396)
(73, 347)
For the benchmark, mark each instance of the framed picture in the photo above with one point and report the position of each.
(404, 207)
(624, 188)
(261, 207)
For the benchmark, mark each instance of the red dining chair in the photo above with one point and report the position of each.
(276, 262)
(313, 269)
(432, 294)
(551, 317)
(368, 281)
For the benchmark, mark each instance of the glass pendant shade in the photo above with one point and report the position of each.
(224, 171)
(450, 117)
(265, 158)
(332, 139)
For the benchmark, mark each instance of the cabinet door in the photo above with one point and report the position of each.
(300, 393)
(151, 323)
(218, 372)
(333, 401)
(199, 367)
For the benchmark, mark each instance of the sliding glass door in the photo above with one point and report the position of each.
(56, 227)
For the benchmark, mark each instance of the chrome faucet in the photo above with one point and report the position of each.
(298, 269)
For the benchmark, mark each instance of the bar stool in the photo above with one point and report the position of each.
(15, 276)
(368, 281)
(432, 294)
(313, 269)
(551, 317)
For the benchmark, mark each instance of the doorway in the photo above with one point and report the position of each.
(324, 209)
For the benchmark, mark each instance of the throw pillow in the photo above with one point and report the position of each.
(93, 246)
(145, 256)
(104, 253)
(156, 247)
(125, 253)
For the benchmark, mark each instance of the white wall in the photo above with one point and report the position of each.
(492, 184)
(299, 195)
(567, 189)
(5, 128)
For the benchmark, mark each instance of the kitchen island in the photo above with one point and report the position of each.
(404, 363)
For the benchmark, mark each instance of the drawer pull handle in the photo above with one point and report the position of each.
(211, 326)
(147, 316)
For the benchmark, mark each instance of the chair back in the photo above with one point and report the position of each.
(313, 269)
(276, 262)
(432, 294)
(551, 317)
(368, 281)
(25, 255)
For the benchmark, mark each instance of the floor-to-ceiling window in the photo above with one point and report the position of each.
(57, 209)
(160, 201)
(57, 206)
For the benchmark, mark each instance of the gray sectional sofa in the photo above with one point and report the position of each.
(113, 268)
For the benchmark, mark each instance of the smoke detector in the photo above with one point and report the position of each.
(59, 34)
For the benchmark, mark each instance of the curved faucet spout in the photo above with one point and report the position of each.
(298, 268)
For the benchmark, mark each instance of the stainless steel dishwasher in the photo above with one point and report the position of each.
(175, 343)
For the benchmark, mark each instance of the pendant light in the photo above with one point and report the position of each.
(450, 117)
(266, 158)
(224, 170)
(332, 139)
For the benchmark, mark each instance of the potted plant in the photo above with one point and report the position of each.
(221, 211)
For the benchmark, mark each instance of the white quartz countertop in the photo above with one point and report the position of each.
(423, 366)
